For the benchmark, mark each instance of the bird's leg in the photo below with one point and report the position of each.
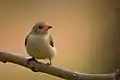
(32, 66)
(50, 62)
(31, 59)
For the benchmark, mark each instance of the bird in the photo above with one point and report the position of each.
(39, 43)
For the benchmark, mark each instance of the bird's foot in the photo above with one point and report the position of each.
(31, 59)
(50, 63)
(32, 67)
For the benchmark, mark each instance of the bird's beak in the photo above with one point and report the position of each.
(47, 27)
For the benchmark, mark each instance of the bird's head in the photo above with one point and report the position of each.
(41, 27)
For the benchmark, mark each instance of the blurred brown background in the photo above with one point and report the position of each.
(86, 34)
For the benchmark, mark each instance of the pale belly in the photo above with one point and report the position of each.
(39, 48)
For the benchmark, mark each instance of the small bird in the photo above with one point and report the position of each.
(39, 43)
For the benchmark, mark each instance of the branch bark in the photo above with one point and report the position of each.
(55, 71)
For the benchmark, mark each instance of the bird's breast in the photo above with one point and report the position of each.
(39, 47)
(37, 41)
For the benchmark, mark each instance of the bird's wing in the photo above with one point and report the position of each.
(26, 40)
(51, 41)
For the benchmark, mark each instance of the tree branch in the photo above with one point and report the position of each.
(52, 70)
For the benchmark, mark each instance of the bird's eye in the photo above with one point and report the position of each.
(40, 27)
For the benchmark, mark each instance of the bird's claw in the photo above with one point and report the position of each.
(32, 66)
(50, 63)
(31, 59)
